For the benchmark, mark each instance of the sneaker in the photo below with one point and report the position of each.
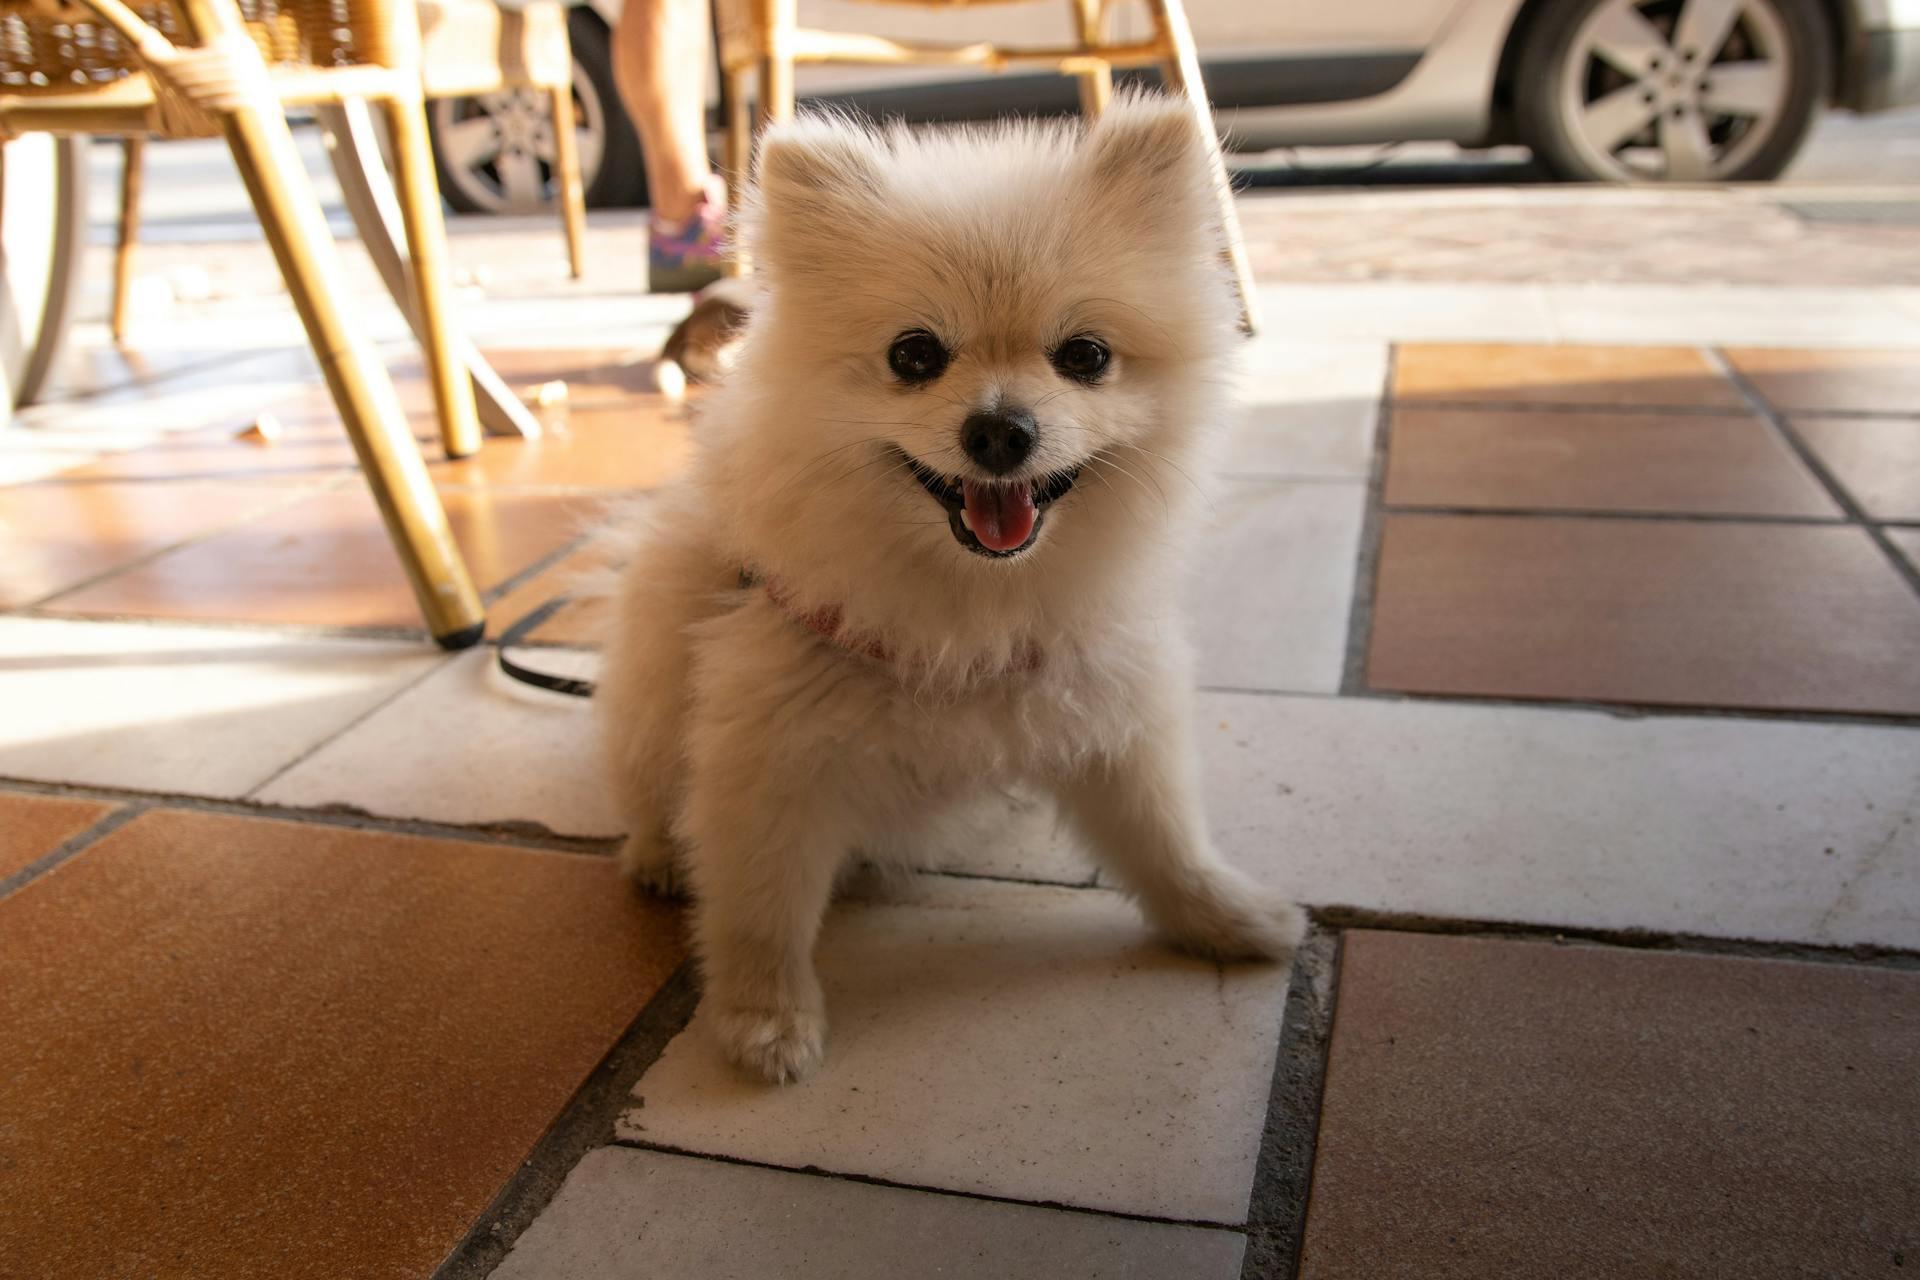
(685, 257)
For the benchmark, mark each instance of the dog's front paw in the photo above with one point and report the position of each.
(1242, 925)
(780, 1046)
(647, 860)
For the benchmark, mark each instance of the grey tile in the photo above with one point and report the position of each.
(625, 1212)
(1734, 828)
(1307, 409)
(1272, 586)
(1023, 1042)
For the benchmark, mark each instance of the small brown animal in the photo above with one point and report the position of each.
(702, 345)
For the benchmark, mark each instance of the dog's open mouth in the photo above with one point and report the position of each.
(992, 518)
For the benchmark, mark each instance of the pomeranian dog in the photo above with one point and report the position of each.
(931, 542)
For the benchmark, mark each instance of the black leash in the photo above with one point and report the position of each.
(517, 633)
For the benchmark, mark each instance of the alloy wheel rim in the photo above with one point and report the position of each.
(1675, 90)
(498, 147)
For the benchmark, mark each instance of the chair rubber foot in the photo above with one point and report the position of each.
(465, 638)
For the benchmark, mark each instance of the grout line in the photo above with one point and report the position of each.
(814, 1171)
(1851, 955)
(427, 672)
(72, 846)
(1570, 407)
(1596, 513)
(1283, 1176)
(518, 835)
(513, 583)
(1618, 710)
(583, 1124)
(1790, 437)
(1366, 568)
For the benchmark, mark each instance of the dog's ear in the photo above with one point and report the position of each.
(1147, 152)
(815, 175)
(815, 160)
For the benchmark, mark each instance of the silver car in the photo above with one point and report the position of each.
(1611, 90)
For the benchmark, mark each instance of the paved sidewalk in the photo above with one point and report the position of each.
(1558, 648)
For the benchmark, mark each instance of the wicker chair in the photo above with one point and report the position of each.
(198, 68)
(762, 38)
(468, 48)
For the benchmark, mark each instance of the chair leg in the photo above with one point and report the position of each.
(774, 24)
(1096, 84)
(1182, 72)
(573, 192)
(427, 247)
(131, 162)
(738, 158)
(276, 180)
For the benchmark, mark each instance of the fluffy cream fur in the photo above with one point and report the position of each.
(755, 754)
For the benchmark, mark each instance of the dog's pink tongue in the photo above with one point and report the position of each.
(1001, 515)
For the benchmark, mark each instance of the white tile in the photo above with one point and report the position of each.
(1407, 312)
(1273, 583)
(1308, 409)
(1025, 1042)
(181, 709)
(623, 1212)
(1732, 315)
(1724, 826)
(469, 746)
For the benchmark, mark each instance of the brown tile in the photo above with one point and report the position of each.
(639, 445)
(1670, 612)
(249, 1048)
(1521, 1109)
(1867, 381)
(581, 621)
(32, 825)
(326, 561)
(54, 535)
(304, 452)
(1598, 376)
(1703, 463)
(1877, 459)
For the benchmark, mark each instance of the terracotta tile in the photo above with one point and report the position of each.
(1671, 612)
(1799, 379)
(326, 561)
(1877, 459)
(1522, 1109)
(632, 446)
(305, 451)
(1598, 462)
(1599, 376)
(32, 825)
(240, 1047)
(54, 535)
(581, 621)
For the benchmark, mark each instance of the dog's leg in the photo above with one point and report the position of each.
(763, 856)
(1139, 808)
(641, 698)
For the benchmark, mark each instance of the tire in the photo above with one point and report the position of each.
(478, 182)
(1650, 110)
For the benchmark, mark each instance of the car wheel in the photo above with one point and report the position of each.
(1672, 90)
(494, 153)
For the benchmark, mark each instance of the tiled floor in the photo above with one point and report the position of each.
(1515, 558)
(312, 960)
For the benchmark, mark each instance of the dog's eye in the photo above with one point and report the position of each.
(1082, 359)
(917, 356)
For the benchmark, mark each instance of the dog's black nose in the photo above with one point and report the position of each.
(1000, 439)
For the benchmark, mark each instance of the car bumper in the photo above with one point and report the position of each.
(1886, 70)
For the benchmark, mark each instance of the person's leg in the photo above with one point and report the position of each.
(661, 49)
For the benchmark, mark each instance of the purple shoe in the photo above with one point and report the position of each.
(686, 257)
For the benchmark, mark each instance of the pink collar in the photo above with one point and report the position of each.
(827, 621)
